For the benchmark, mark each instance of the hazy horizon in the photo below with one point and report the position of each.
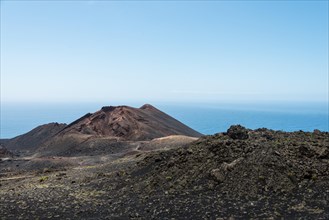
(176, 52)
(207, 118)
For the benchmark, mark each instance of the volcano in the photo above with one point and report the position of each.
(102, 130)
(128, 123)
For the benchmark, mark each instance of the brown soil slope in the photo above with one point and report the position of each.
(111, 128)
(127, 123)
(100, 132)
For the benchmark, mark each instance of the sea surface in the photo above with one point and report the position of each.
(19, 118)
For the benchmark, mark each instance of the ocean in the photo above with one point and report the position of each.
(17, 119)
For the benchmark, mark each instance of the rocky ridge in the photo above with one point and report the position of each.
(238, 174)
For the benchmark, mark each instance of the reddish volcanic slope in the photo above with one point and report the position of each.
(100, 130)
(128, 123)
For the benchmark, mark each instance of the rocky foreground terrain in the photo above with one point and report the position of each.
(4, 152)
(238, 174)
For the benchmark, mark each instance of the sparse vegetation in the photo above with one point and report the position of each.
(238, 174)
(43, 179)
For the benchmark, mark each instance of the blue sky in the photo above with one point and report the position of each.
(176, 51)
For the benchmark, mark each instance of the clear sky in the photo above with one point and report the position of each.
(59, 51)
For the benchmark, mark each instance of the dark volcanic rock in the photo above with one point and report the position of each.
(4, 152)
(238, 132)
(242, 164)
(269, 175)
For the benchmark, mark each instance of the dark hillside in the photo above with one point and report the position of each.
(34, 138)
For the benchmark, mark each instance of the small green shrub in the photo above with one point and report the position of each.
(43, 178)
